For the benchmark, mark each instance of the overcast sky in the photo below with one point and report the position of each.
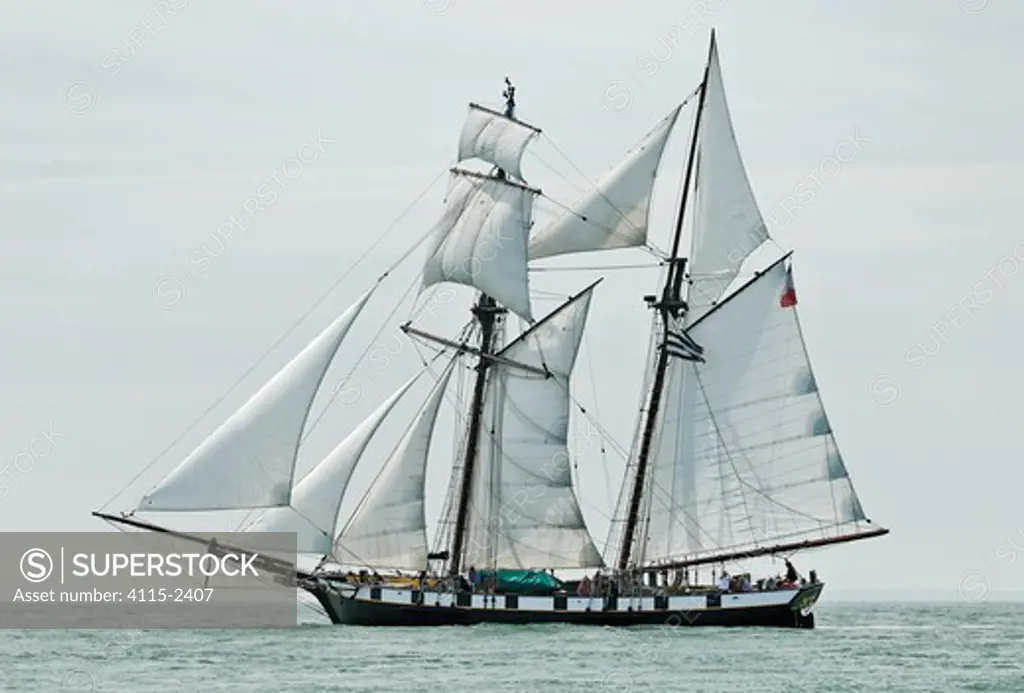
(130, 132)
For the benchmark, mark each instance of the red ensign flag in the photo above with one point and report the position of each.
(788, 299)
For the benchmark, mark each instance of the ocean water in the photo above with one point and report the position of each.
(856, 647)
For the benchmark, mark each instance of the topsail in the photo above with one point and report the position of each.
(727, 224)
(481, 240)
(495, 138)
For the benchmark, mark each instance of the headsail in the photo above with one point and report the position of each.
(316, 501)
(613, 214)
(524, 511)
(481, 240)
(495, 138)
(249, 461)
(745, 455)
(727, 224)
(389, 529)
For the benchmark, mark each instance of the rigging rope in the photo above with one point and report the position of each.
(419, 411)
(678, 512)
(593, 186)
(335, 391)
(332, 535)
(739, 478)
(558, 173)
(597, 415)
(281, 339)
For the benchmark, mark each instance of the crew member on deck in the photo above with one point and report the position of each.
(791, 574)
(723, 584)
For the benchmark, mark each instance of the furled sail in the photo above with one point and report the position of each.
(727, 224)
(316, 500)
(495, 138)
(613, 214)
(389, 529)
(481, 240)
(249, 461)
(524, 511)
(745, 455)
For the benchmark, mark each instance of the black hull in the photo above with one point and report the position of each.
(361, 612)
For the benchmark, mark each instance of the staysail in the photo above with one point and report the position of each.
(524, 512)
(389, 529)
(316, 500)
(745, 454)
(249, 461)
(481, 239)
(614, 213)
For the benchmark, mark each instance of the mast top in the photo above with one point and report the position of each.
(510, 112)
(510, 99)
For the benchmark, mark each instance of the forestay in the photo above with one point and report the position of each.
(249, 461)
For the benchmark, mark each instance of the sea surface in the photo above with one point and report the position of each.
(856, 647)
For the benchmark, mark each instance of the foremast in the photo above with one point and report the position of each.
(486, 313)
(671, 305)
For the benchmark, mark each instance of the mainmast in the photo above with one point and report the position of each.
(670, 306)
(486, 312)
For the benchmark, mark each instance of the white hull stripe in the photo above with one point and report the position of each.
(699, 602)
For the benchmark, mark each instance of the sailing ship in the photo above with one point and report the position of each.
(733, 457)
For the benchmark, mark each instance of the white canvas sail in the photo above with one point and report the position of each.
(525, 513)
(614, 213)
(495, 138)
(481, 240)
(727, 224)
(745, 455)
(249, 461)
(673, 525)
(389, 529)
(316, 501)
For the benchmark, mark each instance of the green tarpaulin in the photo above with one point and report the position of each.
(522, 581)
